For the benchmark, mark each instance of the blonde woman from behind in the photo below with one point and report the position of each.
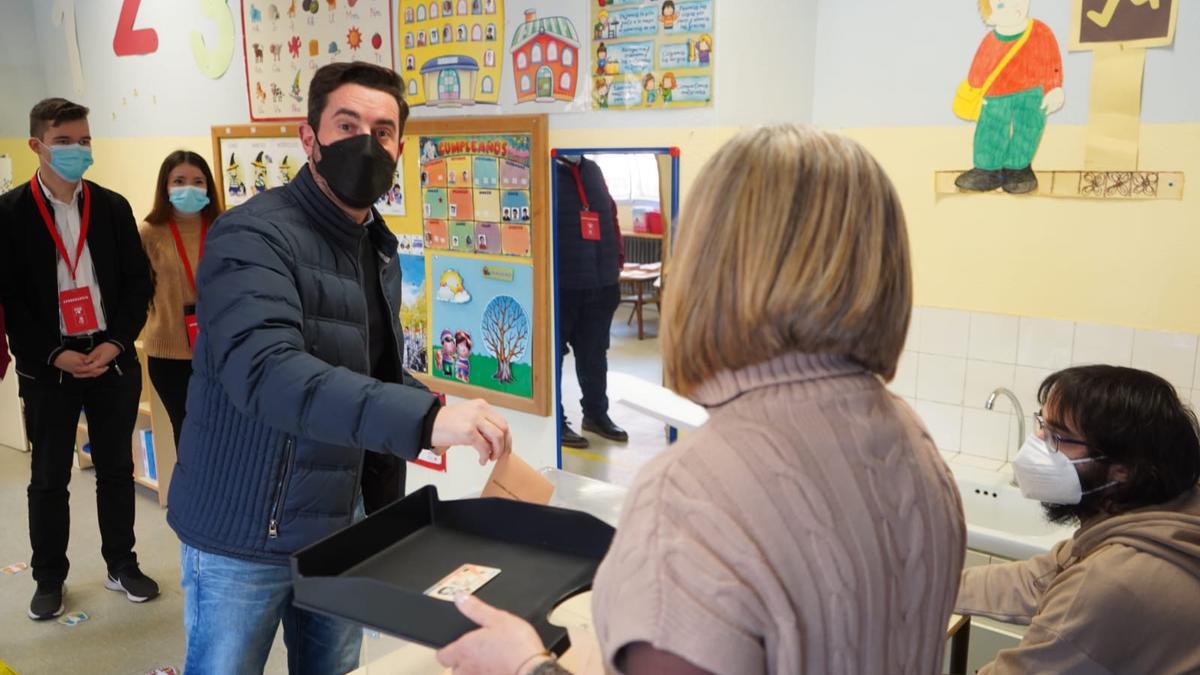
(810, 526)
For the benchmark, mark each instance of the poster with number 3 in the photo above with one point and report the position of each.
(286, 41)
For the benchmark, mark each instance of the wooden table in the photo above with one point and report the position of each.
(639, 278)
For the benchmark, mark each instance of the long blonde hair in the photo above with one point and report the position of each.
(793, 240)
(985, 9)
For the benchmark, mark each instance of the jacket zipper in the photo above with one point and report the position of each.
(387, 302)
(273, 526)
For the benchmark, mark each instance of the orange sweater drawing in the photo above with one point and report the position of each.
(1038, 64)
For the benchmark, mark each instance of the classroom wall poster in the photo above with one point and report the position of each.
(482, 323)
(652, 54)
(475, 194)
(255, 165)
(286, 41)
(451, 51)
(414, 303)
(6, 177)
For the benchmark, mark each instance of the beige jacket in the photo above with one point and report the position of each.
(1122, 597)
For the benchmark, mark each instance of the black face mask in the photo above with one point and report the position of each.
(358, 169)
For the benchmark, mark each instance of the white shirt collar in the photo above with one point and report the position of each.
(46, 190)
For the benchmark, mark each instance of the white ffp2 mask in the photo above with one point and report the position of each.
(1047, 476)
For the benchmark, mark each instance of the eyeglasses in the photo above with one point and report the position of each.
(1053, 440)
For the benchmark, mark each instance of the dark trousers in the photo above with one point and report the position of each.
(584, 321)
(51, 417)
(170, 379)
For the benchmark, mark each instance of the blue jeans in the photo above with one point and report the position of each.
(232, 608)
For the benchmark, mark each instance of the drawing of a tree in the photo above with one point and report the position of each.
(506, 334)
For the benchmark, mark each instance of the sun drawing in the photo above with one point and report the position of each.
(354, 37)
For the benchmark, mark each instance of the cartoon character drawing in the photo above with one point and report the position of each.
(601, 94)
(669, 15)
(490, 35)
(463, 339)
(601, 58)
(276, 51)
(476, 7)
(259, 93)
(234, 172)
(451, 289)
(668, 85)
(601, 28)
(276, 93)
(650, 87)
(258, 52)
(296, 92)
(1014, 84)
(255, 14)
(421, 39)
(285, 171)
(260, 173)
(448, 357)
(704, 49)
(293, 46)
(428, 152)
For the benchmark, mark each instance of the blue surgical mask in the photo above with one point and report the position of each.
(70, 161)
(189, 199)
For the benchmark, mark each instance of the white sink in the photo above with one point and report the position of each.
(999, 520)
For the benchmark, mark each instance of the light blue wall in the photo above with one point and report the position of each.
(21, 77)
(883, 64)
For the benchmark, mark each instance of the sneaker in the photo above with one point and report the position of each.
(604, 426)
(136, 586)
(1020, 181)
(47, 601)
(571, 439)
(980, 180)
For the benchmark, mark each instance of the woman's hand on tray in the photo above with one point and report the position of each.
(503, 645)
(474, 423)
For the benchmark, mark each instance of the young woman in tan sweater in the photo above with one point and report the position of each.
(811, 526)
(185, 203)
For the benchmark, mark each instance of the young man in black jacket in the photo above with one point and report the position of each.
(75, 284)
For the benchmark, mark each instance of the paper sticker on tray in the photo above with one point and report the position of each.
(466, 579)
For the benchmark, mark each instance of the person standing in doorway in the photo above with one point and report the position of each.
(590, 255)
(185, 204)
(75, 285)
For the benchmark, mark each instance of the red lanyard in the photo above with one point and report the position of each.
(187, 266)
(579, 184)
(35, 186)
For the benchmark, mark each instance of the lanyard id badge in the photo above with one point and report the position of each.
(589, 220)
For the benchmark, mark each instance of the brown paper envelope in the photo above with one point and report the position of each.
(514, 478)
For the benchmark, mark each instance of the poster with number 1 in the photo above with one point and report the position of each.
(286, 41)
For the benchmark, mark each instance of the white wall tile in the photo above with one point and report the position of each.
(941, 378)
(1169, 355)
(985, 434)
(982, 378)
(1045, 343)
(905, 382)
(944, 423)
(1195, 400)
(912, 341)
(1015, 437)
(944, 332)
(993, 337)
(1026, 384)
(976, 462)
(1102, 343)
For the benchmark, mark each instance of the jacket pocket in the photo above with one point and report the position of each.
(281, 490)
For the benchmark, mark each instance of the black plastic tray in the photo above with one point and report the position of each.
(375, 572)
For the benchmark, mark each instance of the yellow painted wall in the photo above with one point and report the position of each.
(1128, 263)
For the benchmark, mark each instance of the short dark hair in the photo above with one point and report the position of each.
(162, 210)
(52, 112)
(329, 78)
(1132, 418)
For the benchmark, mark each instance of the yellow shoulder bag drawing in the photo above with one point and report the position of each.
(968, 100)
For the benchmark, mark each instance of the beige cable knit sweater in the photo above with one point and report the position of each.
(164, 336)
(809, 527)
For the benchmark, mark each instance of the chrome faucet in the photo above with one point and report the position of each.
(991, 403)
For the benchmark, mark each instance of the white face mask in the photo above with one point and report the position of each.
(1049, 477)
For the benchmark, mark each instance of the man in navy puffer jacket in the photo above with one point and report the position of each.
(297, 370)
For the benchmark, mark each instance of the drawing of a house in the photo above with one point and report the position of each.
(450, 81)
(545, 56)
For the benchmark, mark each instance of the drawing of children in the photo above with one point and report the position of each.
(1017, 71)
(601, 28)
(463, 338)
(704, 49)
(668, 14)
(601, 93)
(650, 87)
(601, 58)
(668, 85)
(447, 358)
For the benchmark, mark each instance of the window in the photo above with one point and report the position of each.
(408, 15)
(491, 32)
(410, 63)
(630, 178)
(488, 85)
(522, 61)
(552, 52)
(447, 34)
(433, 36)
(462, 33)
(526, 83)
(421, 13)
(408, 41)
(565, 82)
(489, 58)
(462, 6)
(536, 54)
(412, 87)
(477, 33)
(433, 10)
(447, 7)
(568, 57)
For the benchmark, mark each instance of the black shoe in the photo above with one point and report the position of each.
(47, 601)
(571, 439)
(980, 180)
(605, 427)
(1020, 181)
(136, 586)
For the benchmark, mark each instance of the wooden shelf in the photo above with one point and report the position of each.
(1109, 185)
(142, 480)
